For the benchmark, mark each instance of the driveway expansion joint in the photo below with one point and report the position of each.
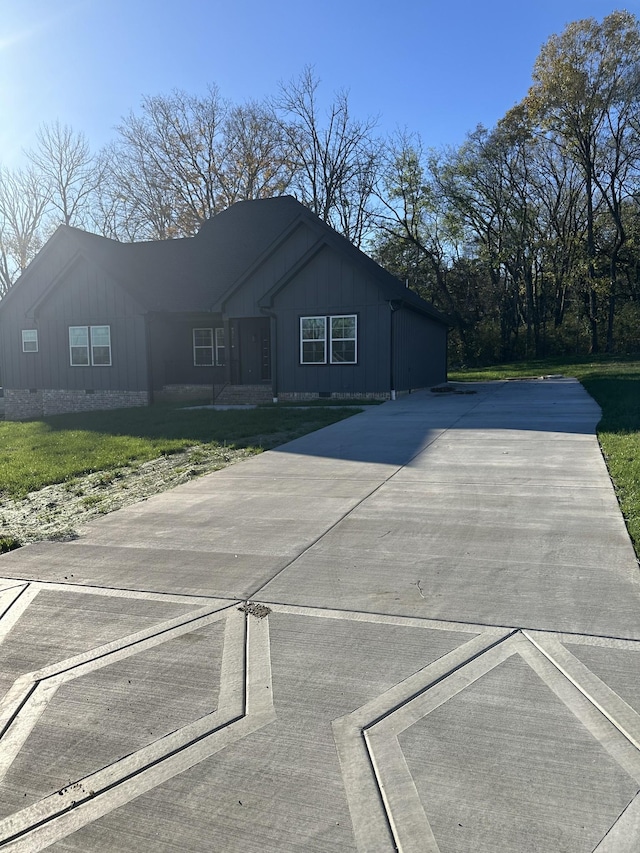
(283, 671)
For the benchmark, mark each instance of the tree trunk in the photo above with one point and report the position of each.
(592, 303)
(594, 346)
(612, 303)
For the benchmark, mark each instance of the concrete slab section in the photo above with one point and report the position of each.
(417, 629)
(491, 503)
(492, 592)
(502, 555)
(57, 624)
(467, 759)
(562, 401)
(248, 523)
(302, 464)
(167, 570)
(279, 788)
(364, 439)
(241, 480)
(536, 458)
(618, 668)
(111, 712)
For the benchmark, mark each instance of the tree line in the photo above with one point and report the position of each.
(527, 235)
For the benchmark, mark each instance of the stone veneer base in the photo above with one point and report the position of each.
(22, 404)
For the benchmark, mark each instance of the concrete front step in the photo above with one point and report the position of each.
(233, 395)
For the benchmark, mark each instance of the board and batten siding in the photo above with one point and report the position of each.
(87, 297)
(331, 285)
(244, 302)
(15, 306)
(171, 350)
(420, 350)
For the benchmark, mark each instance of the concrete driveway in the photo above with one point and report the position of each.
(417, 629)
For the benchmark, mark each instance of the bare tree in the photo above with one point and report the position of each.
(23, 203)
(256, 158)
(136, 201)
(73, 175)
(170, 153)
(184, 158)
(337, 159)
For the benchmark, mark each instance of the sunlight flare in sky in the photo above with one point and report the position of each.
(433, 68)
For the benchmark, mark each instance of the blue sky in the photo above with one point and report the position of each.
(439, 67)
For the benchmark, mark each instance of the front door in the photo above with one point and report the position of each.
(255, 350)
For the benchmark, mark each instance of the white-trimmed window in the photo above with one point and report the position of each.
(79, 345)
(90, 345)
(332, 339)
(313, 340)
(203, 347)
(29, 340)
(221, 348)
(100, 345)
(344, 339)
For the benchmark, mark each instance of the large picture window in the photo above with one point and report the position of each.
(332, 339)
(203, 347)
(90, 345)
(29, 340)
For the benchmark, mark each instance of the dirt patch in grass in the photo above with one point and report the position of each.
(58, 511)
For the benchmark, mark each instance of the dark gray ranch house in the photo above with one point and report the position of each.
(266, 302)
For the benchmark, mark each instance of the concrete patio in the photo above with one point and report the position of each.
(417, 629)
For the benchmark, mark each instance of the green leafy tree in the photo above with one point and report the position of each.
(585, 97)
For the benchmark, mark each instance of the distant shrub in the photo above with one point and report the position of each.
(8, 543)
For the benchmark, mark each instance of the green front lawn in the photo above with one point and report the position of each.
(55, 449)
(614, 382)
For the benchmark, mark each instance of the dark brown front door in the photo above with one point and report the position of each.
(255, 350)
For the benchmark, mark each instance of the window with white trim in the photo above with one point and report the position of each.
(221, 348)
(344, 339)
(313, 340)
(100, 345)
(90, 345)
(332, 339)
(203, 347)
(29, 340)
(79, 345)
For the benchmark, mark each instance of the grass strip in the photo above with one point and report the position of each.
(55, 449)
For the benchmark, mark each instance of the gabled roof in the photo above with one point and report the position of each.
(392, 288)
(287, 212)
(191, 273)
(199, 273)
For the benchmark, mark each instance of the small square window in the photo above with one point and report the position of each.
(29, 340)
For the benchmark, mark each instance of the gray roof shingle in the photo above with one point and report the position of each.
(193, 274)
